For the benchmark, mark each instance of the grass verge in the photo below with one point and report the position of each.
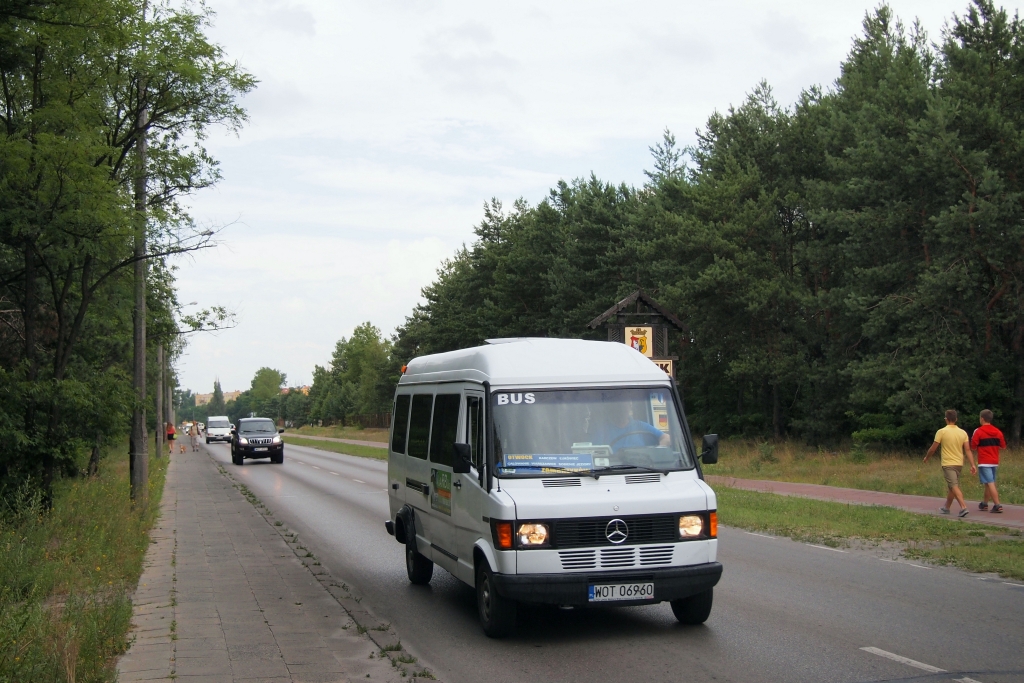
(859, 468)
(67, 575)
(335, 447)
(357, 433)
(973, 547)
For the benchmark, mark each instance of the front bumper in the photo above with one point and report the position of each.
(251, 452)
(670, 583)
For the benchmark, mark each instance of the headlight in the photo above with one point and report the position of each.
(277, 438)
(242, 441)
(532, 534)
(690, 526)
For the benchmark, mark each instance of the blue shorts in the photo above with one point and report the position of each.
(987, 475)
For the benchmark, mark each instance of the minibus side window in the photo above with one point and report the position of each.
(400, 422)
(475, 429)
(446, 425)
(419, 425)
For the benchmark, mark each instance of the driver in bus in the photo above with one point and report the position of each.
(621, 430)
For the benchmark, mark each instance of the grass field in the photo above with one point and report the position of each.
(969, 546)
(334, 446)
(66, 576)
(895, 472)
(357, 433)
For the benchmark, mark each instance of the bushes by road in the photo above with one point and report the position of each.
(67, 575)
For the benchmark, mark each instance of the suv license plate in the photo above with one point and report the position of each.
(622, 591)
(261, 449)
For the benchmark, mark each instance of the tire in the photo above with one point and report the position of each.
(237, 459)
(277, 459)
(207, 441)
(497, 614)
(419, 568)
(695, 609)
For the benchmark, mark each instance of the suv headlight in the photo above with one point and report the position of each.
(277, 438)
(242, 441)
(690, 526)
(532, 535)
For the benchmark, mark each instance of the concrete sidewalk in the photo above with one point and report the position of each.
(224, 597)
(354, 442)
(1012, 515)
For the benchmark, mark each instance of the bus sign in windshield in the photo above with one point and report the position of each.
(555, 462)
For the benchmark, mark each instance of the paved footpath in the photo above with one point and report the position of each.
(224, 597)
(1012, 516)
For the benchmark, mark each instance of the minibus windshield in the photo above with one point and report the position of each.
(587, 431)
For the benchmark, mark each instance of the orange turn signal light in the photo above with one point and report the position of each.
(503, 535)
(713, 530)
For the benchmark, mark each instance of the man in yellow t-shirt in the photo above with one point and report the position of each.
(956, 446)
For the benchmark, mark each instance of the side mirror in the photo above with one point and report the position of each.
(280, 431)
(710, 449)
(463, 458)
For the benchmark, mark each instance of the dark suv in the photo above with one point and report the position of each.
(256, 437)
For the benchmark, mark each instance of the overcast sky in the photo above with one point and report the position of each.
(380, 128)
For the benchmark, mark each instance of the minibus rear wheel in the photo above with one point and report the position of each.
(695, 609)
(497, 613)
(419, 568)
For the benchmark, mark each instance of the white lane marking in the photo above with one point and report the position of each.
(905, 660)
(825, 547)
(335, 474)
(314, 467)
(1018, 585)
(359, 481)
(298, 461)
(909, 564)
(966, 680)
(751, 533)
(919, 566)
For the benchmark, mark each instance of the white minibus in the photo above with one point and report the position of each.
(552, 471)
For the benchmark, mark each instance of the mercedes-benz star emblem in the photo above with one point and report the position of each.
(616, 531)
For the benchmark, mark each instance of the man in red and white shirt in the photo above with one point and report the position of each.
(986, 442)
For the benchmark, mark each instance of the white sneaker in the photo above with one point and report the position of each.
(944, 511)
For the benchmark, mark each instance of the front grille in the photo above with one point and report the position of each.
(588, 533)
(260, 442)
(617, 558)
(558, 483)
(578, 559)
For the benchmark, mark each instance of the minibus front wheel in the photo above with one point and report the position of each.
(419, 568)
(497, 613)
(695, 609)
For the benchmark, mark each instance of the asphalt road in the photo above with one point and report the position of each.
(784, 611)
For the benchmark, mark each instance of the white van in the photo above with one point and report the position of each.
(218, 428)
(555, 471)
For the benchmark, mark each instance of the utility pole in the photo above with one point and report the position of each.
(159, 399)
(139, 447)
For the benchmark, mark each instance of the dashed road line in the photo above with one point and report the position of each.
(909, 564)
(314, 467)
(825, 547)
(1018, 585)
(751, 533)
(359, 481)
(905, 660)
(335, 474)
(914, 663)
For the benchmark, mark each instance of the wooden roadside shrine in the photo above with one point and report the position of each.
(643, 323)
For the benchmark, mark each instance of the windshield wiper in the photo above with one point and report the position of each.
(589, 473)
(618, 468)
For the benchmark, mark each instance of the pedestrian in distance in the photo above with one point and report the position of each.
(986, 442)
(170, 438)
(955, 447)
(194, 433)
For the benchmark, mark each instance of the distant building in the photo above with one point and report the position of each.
(203, 399)
(304, 390)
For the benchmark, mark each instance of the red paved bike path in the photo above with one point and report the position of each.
(1012, 515)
